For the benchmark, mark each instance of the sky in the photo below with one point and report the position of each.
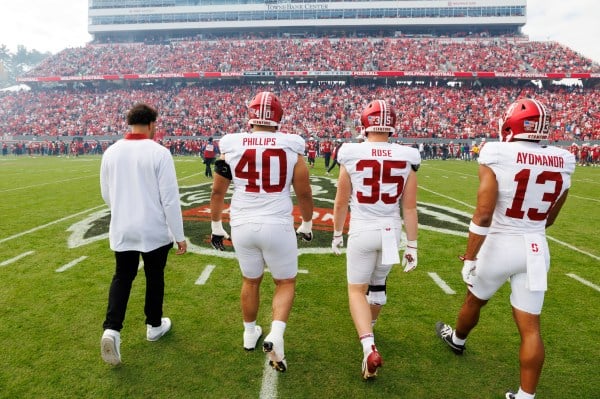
(53, 25)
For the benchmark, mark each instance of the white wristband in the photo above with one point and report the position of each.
(476, 229)
(306, 225)
(411, 244)
(217, 228)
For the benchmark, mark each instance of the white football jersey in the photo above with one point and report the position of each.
(378, 173)
(531, 177)
(262, 167)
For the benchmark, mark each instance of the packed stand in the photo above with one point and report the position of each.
(318, 54)
(311, 110)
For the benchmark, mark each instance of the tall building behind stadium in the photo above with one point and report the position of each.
(133, 20)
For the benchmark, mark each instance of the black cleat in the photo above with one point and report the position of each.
(444, 331)
(274, 350)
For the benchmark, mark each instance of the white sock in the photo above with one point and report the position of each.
(250, 326)
(367, 341)
(524, 395)
(457, 340)
(278, 327)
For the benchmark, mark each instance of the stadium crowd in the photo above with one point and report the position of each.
(498, 54)
(424, 111)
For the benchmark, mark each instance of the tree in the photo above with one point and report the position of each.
(15, 65)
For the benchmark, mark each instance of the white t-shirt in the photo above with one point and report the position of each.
(262, 167)
(378, 173)
(139, 184)
(530, 179)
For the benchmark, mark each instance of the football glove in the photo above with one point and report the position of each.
(217, 235)
(468, 270)
(304, 232)
(337, 243)
(409, 259)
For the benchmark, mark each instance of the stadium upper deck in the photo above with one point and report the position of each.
(136, 20)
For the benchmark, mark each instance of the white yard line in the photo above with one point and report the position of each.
(583, 281)
(581, 251)
(49, 224)
(475, 175)
(70, 264)
(16, 258)
(45, 184)
(547, 236)
(268, 389)
(447, 197)
(205, 275)
(441, 283)
(584, 198)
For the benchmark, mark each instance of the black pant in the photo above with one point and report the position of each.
(327, 157)
(120, 287)
(208, 162)
(333, 165)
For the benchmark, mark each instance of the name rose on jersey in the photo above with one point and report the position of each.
(378, 152)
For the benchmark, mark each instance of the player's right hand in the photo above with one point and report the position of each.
(337, 243)
(217, 235)
(217, 242)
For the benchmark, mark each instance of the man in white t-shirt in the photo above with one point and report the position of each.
(375, 176)
(139, 184)
(523, 185)
(263, 165)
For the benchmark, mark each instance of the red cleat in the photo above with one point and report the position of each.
(371, 363)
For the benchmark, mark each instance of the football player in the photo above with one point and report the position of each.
(375, 176)
(263, 165)
(522, 187)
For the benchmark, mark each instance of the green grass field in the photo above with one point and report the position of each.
(56, 267)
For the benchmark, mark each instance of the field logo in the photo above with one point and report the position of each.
(195, 203)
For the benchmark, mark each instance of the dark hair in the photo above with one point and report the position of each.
(141, 114)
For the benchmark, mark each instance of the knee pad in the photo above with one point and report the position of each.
(376, 295)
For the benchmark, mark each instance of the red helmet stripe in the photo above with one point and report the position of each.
(542, 114)
(384, 112)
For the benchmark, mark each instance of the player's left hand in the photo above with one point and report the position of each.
(409, 259)
(468, 270)
(304, 232)
(337, 242)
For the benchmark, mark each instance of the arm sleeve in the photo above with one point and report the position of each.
(104, 186)
(169, 195)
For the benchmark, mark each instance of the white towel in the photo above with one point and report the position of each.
(537, 279)
(389, 247)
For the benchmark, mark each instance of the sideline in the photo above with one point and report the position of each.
(3, 240)
(547, 236)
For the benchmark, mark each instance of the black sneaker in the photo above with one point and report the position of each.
(444, 331)
(510, 395)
